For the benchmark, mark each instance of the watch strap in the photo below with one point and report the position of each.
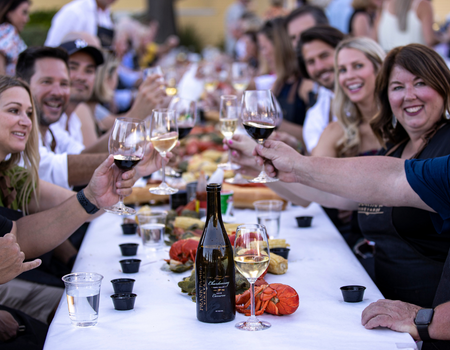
(86, 204)
(423, 331)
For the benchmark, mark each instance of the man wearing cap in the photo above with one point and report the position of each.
(84, 58)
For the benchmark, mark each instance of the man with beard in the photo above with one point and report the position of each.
(315, 53)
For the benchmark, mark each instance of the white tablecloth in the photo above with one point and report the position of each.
(320, 263)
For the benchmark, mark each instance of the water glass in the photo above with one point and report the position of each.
(268, 213)
(83, 296)
(152, 227)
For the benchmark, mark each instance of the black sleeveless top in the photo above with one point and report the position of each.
(294, 108)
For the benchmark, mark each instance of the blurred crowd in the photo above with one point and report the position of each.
(351, 78)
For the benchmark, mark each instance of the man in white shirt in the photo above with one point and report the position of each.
(90, 16)
(315, 52)
(64, 161)
(232, 17)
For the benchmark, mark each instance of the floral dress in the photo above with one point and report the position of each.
(11, 45)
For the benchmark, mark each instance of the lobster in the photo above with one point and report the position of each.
(275, 298)
(184, 250)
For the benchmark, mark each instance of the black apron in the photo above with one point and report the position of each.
(401, 273)
(106, 36)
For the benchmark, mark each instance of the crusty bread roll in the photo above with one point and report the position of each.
(142, 195)
(245, 196)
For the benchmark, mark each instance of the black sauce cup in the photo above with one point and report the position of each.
(353, 294)
(304, 221)
(129, 229)
(123, 301)
(130, 265)
(128, 249)
(284, 252)
(123, 285)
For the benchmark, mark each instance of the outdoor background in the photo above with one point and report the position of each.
(200, 22)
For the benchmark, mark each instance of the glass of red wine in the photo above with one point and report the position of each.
(259, 117)
(186, 114)
(127, 143)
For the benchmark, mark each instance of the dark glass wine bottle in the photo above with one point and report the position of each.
(214, 266)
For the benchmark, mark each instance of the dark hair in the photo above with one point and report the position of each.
(7, 6)
(424, 63)
(316, 12)
(27, 60)
(329, 35)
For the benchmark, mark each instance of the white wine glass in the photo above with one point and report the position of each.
(163, 134)
(240, 76)
(259, 117)
(171, 80)
(210, 78)
(229, 118)
(186, 114)
(251, 258)
(127, 144)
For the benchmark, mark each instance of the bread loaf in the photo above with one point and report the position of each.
(245, 196)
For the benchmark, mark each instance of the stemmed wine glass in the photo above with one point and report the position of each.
(229, 118)
(259, 117)
(240, 76)
(251, 258)
(127, 144)
(186, 114)
(163, 135)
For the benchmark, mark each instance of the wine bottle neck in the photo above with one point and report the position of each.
(213, 204)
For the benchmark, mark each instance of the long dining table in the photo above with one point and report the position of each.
(320, 262)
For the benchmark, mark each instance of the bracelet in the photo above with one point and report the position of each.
(86, 204)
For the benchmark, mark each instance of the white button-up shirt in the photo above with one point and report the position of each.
(317, 118)
(53, 166)
(77, 16)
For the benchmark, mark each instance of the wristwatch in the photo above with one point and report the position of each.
(422, 321)
(86, 204)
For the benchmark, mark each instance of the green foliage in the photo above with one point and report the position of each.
(190, 38)
(35, 32)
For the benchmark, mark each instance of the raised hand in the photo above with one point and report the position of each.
(151, 162)
(279, 159)
(100, 190)
(12, 259)
(8, 326)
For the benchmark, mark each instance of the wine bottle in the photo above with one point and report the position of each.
(214, 266)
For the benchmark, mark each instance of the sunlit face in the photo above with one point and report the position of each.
(298, 25)
(20, 16)
(267, 50)
(416, 105)
(15, 120)
(356, 75)
(82, 76)
(50, 87)
(319, 62)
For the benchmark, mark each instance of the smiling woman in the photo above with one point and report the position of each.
(19, 139)
(13, 18)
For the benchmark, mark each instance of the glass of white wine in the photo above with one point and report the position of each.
(229, 118)
(240, 76)
(163, 134)
(171, 80)
(210, 78)
(252, 257)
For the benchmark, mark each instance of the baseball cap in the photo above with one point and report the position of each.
(81, 45)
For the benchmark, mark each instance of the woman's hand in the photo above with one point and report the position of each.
(8, 326)
(101, 192)
(151, 162)
(242, 147)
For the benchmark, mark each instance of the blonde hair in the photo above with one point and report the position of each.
(361, 4)
(345, 110)
(102, 92)
(30, 155)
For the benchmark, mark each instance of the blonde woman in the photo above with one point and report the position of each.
(404, 22)
(357, 63)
